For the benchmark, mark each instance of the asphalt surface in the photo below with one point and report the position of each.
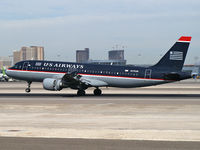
(89, 144)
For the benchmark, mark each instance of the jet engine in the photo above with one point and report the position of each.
(52, 84)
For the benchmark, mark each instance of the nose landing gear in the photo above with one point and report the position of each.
(28, 89)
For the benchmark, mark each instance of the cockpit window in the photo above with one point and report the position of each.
(16, 65)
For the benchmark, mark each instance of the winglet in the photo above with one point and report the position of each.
(186, 39)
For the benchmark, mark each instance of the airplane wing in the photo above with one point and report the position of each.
(74, 80)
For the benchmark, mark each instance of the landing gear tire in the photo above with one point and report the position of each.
(97, 92)
(81, 93)
(28, 90)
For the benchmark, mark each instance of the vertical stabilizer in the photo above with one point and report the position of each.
(175, 57)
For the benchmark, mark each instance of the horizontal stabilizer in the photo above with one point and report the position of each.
(172, 76)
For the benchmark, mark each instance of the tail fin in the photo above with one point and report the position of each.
(175, 57)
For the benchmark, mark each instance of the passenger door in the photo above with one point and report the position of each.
(148, 73)
(25, 66)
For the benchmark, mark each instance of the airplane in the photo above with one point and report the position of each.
(56, 75)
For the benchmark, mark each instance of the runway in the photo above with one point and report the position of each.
(151, 117)
(90, 144)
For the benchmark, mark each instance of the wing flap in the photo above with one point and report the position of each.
(93, 82)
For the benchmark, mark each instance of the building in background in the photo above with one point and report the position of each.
(108, 62)
(82, 56)
(116, 55)
(16, 56)
(5, 62)
(194, 69)
(40, 53)
(32, 53)
(29, 53)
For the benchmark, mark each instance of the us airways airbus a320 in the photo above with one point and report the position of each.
(58, 75)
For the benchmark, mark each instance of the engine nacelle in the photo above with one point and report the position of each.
(52, 84)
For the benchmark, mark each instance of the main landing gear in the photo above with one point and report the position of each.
(28, 89)
(81, 92)
(97, 92)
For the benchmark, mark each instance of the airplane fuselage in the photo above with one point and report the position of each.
(114, 76)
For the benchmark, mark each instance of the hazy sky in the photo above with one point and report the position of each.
(147, 28)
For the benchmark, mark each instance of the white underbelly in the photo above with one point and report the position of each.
(126, 82)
